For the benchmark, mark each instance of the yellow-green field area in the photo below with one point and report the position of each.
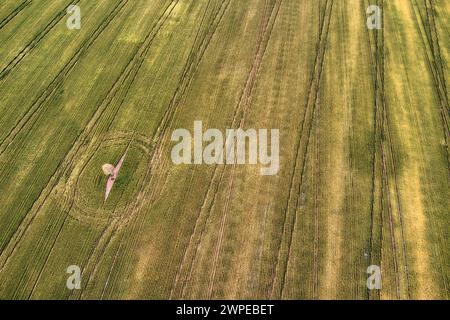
(363, 117)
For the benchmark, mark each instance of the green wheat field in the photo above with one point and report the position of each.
(364, 122)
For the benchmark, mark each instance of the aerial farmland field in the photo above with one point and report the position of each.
(120, 177)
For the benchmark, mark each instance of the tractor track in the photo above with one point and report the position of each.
(247, 98)
(34, 42)
(435, 64)
(205, 43)
(386, 151)
(65, 165)
(387, 167)
(196, 225)
(315, 269)
(376, 194)
(161, 131)
(196, 222)
(134, 65)
(281, 265)
(244, 101)
(431, 44)
(37, 106)
(385, 157)
(14, 13)
(160, 135)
